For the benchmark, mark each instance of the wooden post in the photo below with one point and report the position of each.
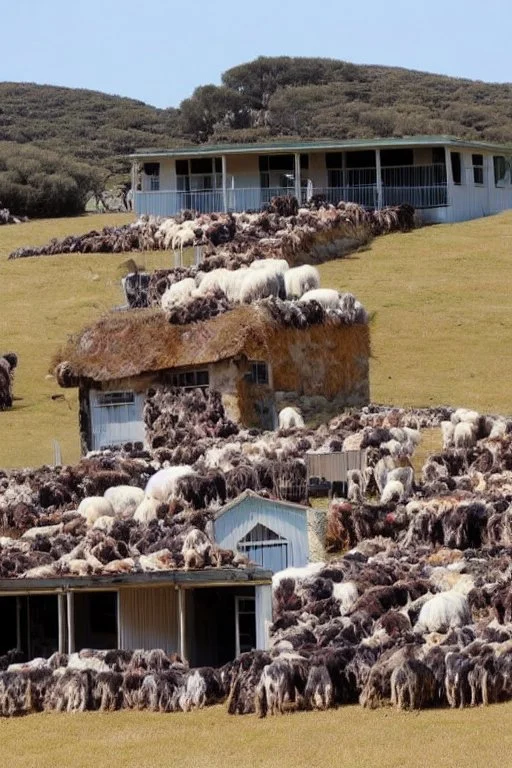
(297, 177)
(18, 623)
(378, 174)
(182, 649)
(61, 605)
(224, 184)
(70, 597)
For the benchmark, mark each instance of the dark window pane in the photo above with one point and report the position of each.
(304, 162)
(152, 169)
(281, 163)
(335, 178)
(362, 159)
(438, 155)
(333, 160)
(395, 157)
(263, 163)
(500, 168)
(218, 165)
(181, 167)
(201, 165)
(202, 378)
(456, 167)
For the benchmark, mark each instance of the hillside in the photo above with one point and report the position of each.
(59, 144)
(439, 336)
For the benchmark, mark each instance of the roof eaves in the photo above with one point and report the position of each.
(319, 145)
(249, 494)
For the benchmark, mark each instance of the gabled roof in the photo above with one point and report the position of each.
(248, 494)
(327, 145)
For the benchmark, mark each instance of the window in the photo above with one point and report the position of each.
(104, 399)
(116, 418)
(258, 373)
(478, 168)
(438, 155)
(152, 170)
(456, 167)
(199, 174)
(361, 159)
(265, 548)
(189, 379)
(396, 157)
(500, 169)
(245, 609)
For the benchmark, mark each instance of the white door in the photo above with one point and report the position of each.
(116, 418)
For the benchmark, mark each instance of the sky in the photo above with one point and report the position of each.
(158, 51)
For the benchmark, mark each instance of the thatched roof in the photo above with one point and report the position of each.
(124, 344)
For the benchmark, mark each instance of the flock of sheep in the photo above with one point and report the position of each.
(241, 229)
(418, 612)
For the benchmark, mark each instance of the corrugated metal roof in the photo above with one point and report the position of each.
(207, 150)
(248, 494)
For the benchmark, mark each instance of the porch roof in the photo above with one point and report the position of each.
(206, 577)
(327, 145)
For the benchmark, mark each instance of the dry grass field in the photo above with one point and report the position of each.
(442, 333)
(350, 737)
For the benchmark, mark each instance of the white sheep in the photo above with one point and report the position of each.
(464, 435)
(289, 417)
(296, 573)
(94, 507)
(404, 475)
(447, 431)
(326, 297)
(346, 594)
(162, 485)
(443, 611)
(393, 491)
(124, 499)
(146, 511)
(301, 280)
(464, 414)
(276, 266)
(258, 284)
(178, 293)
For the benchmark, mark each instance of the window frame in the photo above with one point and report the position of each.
(189, 378)
(478, 169)
(256, 369)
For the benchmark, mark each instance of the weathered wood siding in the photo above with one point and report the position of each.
(148, 618)
(287, 521)
(334, 466)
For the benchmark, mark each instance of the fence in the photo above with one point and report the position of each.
(333, 467)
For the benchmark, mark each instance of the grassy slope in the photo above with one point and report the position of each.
(350, 737)
(43, 300)
(442, 333)
(443, 329)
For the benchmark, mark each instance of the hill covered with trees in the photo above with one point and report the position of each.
(80, 139)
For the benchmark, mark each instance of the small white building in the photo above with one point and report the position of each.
(445, 179)
(272, 533)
